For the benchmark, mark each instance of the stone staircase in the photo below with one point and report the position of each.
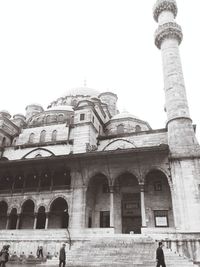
(118, 251)
(173, 259)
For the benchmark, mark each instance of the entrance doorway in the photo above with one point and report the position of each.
(131, 213)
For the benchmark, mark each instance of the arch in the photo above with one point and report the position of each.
(3, 214)
(12, 207)
(128, 203)
(27, 214)
(42, 205)
(157, 186)
(13, 219)
(27, 199)
(14, 141)
(97, 201)
(34, 151)
(4, 141)
(162, 170)
(48, 119)
(54, 136)
(60, 117)
(42, 136)
(31, 138)
(58, 214)
(120, 129)
(119, 144)
(53, 199)
(95, 173)
(138, 128)
(125, 172)
(41, 218)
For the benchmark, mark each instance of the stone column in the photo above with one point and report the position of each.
(144, 224)
(111, 206)
(18, 221)
(7, 222)
(35, 221)
(78, 213)
(47, 220)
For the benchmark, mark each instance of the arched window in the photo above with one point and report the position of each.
(27, 215)
(120, 129)
(58, 215)
(138, 128)
(48, 119)
(60, 117)
(14, 142)
(54, 135)
(41, 218)
(74, 102)
(31, 137)
(4, 142)
(42, 136)
(3, 214)
(13, 219)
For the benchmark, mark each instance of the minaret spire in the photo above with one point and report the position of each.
(184, 148)
(168, 37)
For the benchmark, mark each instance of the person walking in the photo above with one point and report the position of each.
(4, 255)
(40, 252)
(62, 256)
(160, 256)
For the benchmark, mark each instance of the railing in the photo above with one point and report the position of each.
(60, 187)
(34, 189)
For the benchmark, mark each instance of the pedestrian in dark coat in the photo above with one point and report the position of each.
(4, 256)
(62, 256)
(160, 256)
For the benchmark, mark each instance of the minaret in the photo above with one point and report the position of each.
(168, 36)
(184, 149)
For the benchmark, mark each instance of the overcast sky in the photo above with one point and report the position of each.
(47, 47)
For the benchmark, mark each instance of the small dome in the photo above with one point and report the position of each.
(85, 91)
(5, 113)
(124, 115)
(19, 116)
(34, 105)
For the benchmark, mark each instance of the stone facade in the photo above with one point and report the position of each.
(81, 165)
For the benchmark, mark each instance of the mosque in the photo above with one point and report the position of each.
(83, 166)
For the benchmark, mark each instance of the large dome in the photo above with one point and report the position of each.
(85, 91)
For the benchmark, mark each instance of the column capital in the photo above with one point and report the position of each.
(169, 30)
(141, 187)
(111, 189)
(164, 5)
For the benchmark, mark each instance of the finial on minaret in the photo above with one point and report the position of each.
(164, 13)
(164, 5)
